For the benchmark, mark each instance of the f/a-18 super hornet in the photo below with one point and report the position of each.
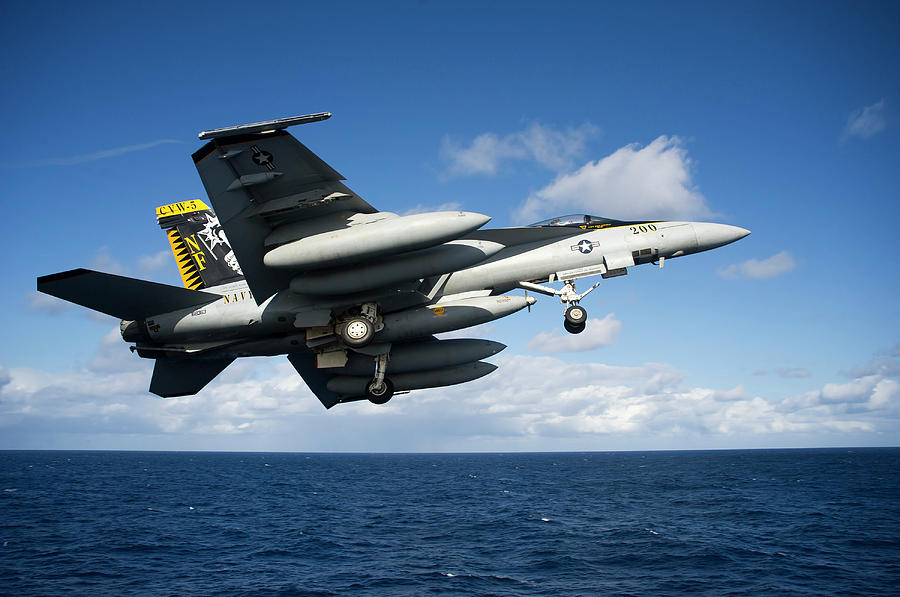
(285, 259)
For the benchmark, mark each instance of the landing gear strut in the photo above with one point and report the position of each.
(380, 390)
(576, 315)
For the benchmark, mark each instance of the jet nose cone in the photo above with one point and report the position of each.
(710, 236)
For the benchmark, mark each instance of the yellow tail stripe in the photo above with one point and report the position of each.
(189, 274)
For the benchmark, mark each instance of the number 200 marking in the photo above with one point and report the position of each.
(639, 229)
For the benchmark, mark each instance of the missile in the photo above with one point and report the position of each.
(383, 237)
(351, 386)
(444, 317)
(448, 257)
(422, 356)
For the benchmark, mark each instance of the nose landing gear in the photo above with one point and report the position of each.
(575, 319)
(576, 316)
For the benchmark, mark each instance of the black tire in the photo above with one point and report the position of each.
(573, 329)
(576, 315)
(382, 397)
(357, 332)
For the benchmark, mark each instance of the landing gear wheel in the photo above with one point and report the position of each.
(573, 329)
(380, 395)
(357, 332)
(576, 315)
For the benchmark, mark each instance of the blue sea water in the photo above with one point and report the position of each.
(807, 522)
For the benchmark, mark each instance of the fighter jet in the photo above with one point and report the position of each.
(285, 259)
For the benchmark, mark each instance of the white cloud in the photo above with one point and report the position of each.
(554, 150)
(867, 121)
(103, 261)
(884, 392)
(777, 264)
(153, 263)
(597, 333)
(90, 157)
(44, 303)
(857, 390)
(632, 183)
(146, 264)
(793, 373)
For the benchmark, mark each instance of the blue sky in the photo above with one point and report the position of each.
(777, 117)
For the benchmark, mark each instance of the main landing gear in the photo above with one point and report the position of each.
(357, 332)
(380, 389)
(359, 329)
(576, 316)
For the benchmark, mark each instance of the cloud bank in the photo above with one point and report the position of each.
(531, 403)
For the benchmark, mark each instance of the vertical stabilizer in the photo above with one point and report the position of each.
(198, 242)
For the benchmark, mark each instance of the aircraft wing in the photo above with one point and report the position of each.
(262, 181)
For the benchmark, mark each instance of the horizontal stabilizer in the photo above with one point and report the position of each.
(125, 298)
(185, 377)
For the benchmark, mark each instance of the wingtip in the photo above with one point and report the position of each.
(72, 273)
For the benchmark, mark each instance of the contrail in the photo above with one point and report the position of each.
(89, 157)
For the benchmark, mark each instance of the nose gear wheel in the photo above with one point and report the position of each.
(573, 328)
(576, 315)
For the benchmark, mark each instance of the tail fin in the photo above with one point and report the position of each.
(201, 250)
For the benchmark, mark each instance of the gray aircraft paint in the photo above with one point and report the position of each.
(417, 380)
(415, 265)
(424, 356)
(384, 237)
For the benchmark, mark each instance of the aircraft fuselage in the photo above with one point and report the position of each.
(608, 252)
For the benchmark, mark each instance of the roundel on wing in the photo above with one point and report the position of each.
(262, 158)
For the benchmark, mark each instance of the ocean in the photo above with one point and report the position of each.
(749, 522)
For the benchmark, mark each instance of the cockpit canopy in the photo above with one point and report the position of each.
(580, 221)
